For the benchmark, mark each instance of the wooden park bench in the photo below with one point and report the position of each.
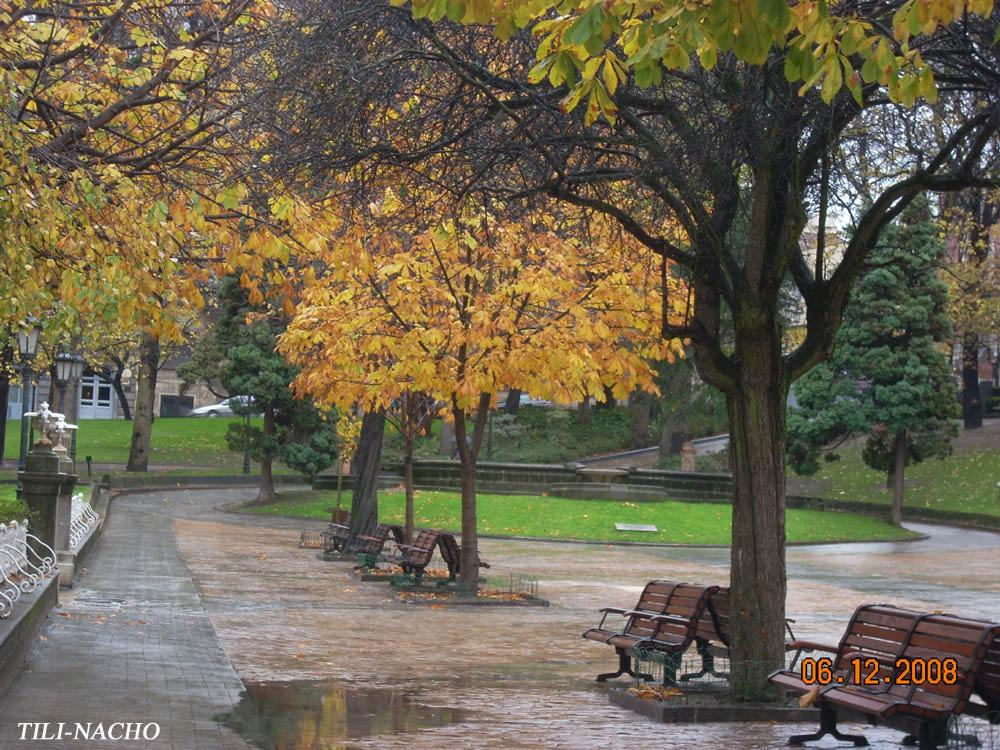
(893, 646)
(369, 546)
(372, 544)
(451, 553)
(664, 622)
(414, 558)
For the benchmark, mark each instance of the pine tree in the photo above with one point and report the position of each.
(889, 377)
(293, 429)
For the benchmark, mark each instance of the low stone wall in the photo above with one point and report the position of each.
(386, 481)
(491, 476)
(539, 478)
(18, 632)
(154, 481)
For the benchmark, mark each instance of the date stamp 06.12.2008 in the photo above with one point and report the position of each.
(869, 672)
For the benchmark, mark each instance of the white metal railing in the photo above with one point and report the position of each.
(22, 568)
(82, 519)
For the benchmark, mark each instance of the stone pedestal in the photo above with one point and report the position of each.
(48, 493)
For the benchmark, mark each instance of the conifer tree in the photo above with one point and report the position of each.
(889, 375)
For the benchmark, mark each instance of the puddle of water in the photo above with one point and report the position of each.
(311, 715)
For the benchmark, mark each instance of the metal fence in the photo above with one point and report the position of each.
(515, 584)
(699, 669)
(971, 731)
(82, 519)
(22, 566)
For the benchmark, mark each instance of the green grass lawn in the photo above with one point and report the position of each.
(965, 481)
(11, 508)
(560, 518)
(175, 442)
(534, 435)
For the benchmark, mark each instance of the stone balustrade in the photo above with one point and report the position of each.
(22, 566)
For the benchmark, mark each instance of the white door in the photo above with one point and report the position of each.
(97, 398)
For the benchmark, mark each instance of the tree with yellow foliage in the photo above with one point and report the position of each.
(117, 139)
(466, 307)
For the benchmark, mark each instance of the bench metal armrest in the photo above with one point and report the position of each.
(338, 526)
(788, 628)
(810, 646)
(605, 611)
(614, 610)
(799, 646)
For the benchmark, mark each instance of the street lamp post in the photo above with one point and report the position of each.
(27, 347)
(69, 367)
(246, 442)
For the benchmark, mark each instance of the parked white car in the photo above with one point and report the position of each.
(527, 400)
(221, 409)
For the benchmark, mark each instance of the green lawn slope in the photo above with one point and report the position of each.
(592, 520)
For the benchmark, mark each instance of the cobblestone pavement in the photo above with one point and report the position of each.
(131, 643)
(330, 662)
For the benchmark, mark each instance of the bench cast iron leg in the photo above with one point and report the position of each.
(624, 667)
(707, 663)
(671, 663)
(828, 726)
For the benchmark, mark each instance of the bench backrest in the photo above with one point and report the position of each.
(713, 625)
(654, 599)
(378, 539)
(940, 637)
(422, 548)
(451, 553)
(877, 631)
(397, 533)
(688, 601)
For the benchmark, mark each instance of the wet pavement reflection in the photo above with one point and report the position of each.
(319, 715)
(510, 677)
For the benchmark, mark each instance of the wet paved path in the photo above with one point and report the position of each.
(132, 643)
(330, 662)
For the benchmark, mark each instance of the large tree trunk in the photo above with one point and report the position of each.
(446, 443)
(513, 401)
(896, 515)
(609, 399)
(972, 405)
(366, 465)
(145, 399)
(758, 579)
(408, 487)
(583, 410)
(468, 452)
(266, 493)
(116, 381)
(642, 404)
(54, 398)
